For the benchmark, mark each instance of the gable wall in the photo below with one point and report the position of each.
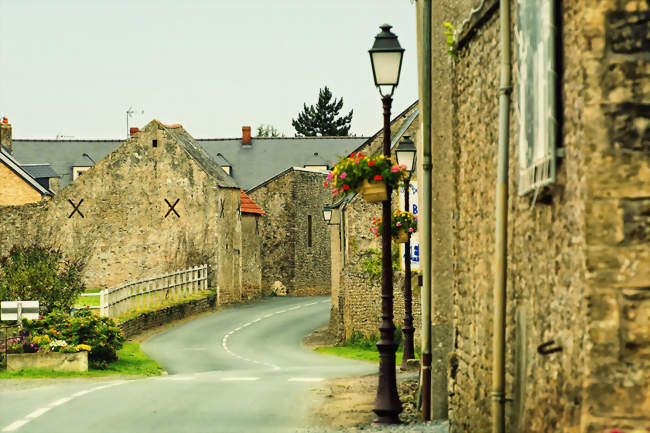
(124, 234)
(14, 190)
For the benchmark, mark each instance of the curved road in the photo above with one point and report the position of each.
(238, 370)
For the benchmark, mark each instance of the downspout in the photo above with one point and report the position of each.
(501, 252)
(426, 210)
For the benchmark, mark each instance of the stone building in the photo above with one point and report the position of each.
(295, 241)
(156, 203)
(356, 292)
(578, 256)
(251, 261)
(17, 185)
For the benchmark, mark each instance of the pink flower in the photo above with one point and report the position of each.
(343, 175)
(411, 230)
(394, 168)
(330, 176)
(403, 166)
(335, 191)
(398, 224)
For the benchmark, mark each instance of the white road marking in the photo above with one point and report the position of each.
(38, 412)
(239, 379)
(306, 379)
(16, 425)
(180, 378)
(224, 340)
(61, 401)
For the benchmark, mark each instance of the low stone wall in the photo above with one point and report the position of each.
(360, 307)
(49, 361)
(160, 317)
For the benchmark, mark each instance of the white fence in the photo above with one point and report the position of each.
(152, 292)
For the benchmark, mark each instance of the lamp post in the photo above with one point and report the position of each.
(405, 154)
(386, 60)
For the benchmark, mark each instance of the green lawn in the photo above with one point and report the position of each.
(363, 348)
(131, 361)
(88, 301)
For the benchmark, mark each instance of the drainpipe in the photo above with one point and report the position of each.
(426, 208)
(501, 252)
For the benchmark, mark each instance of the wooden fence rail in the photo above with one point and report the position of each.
(152, 292)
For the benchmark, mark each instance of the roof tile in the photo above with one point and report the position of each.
(249, 206)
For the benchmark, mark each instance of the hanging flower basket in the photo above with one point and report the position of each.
(357, 173)
(402, 237)
(402, 223)
(374, 192)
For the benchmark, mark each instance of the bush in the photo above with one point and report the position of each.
(41, 274)
(85, 328)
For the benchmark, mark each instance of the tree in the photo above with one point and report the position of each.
(267, 131)
(36, 273)
(322, 119)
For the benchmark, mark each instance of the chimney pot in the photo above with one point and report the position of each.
(245, 135)
(133, 131)
(5, 135)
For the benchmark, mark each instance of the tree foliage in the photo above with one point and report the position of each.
(323, 119)
(267, 131)
(41, 274)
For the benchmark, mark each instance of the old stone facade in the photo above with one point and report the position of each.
(155, 204)
(295, 242)
(356, 291)
(578, 253)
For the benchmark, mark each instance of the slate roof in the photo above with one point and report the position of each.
(14, 166)
(206, 161)
(264, 158)
(249, 206)
(251, 164)
(283, 172)
(62, 155)
(38, 171)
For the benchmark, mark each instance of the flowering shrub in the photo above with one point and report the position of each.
(400, 220)
(350, 172)
(98, 335)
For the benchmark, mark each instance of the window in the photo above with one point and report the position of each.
(537, 97)
(77, 171)
(227, 169)
(309, 231)
(154, 143)
(317, 167)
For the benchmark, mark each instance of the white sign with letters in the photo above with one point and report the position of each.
(415, 239)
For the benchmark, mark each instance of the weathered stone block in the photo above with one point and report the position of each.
(49, 361)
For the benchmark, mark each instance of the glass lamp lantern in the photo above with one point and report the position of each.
(405, 153)
(386, 59)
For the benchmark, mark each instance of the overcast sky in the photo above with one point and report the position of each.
(73, 67)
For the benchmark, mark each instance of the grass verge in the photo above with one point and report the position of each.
(131, 360)
(364, 348)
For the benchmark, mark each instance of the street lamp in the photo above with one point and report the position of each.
(405, 154)
(386, 59)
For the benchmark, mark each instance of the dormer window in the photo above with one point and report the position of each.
(317, 167)
(227, 169)
(77, 171)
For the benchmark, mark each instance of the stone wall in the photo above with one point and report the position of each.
(127, 230)
(578, 256)
(160, 317)
(353, 309)
(14, 190)
(291, 200)
(251, 255)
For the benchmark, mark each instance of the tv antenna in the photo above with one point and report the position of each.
(129, 113)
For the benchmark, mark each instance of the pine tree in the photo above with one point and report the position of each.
(322, 119)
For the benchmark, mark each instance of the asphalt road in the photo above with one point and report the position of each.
(238, 370)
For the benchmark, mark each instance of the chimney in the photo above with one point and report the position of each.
(5, 134)
(246, 135)
(133, 131)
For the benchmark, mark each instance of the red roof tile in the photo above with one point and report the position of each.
(249, 206)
